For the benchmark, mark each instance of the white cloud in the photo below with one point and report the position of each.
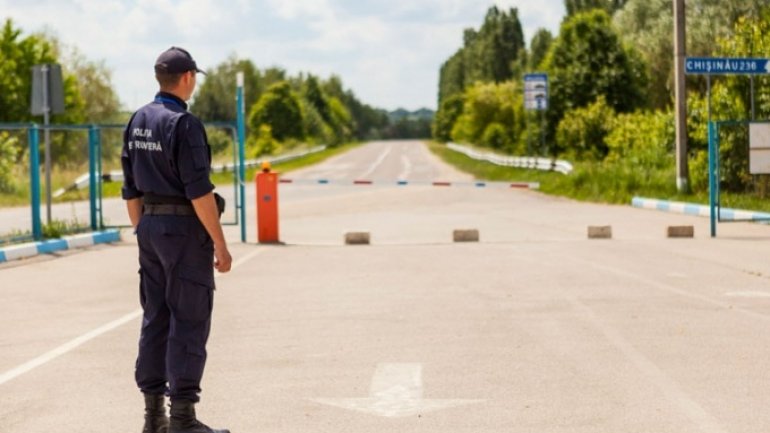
(294, 9)
(388, 51)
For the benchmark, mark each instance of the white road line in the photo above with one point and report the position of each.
(376, 163)
(240, 261)
(748, 294)
(407, 168)
(672, 289)
(67, 347)
(668, 386)
(79, 341)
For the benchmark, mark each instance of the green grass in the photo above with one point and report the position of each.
(597, 182)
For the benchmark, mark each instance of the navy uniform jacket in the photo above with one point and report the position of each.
(165, 152)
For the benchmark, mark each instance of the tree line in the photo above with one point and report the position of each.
(283, 111)
(610, 71)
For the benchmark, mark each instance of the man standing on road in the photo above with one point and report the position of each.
(166, 163)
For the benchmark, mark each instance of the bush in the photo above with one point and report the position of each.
(644, 140)
(495, 136)
(219, 140)
(487, 104)
(280, 108)
(8, 151)
(264, 143)
(451, 108)
(582, 132)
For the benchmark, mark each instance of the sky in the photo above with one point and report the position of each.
(387, 51)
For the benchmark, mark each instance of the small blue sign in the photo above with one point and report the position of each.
(536, 91)
(726, 66)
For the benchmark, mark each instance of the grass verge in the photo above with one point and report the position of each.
(597, 182)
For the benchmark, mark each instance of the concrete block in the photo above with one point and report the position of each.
(357, 238)
(466, 235)
(599, 232)
(680, 231)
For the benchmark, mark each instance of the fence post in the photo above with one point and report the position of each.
(33, 135)
(713, 170)
(92, 192)
(241, 108)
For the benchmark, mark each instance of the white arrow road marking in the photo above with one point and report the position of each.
(396, 391)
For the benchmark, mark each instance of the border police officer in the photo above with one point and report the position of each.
(166, 163)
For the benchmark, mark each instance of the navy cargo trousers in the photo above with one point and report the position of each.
(177, 293)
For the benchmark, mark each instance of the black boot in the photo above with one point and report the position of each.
(183, 419)
(155, 420)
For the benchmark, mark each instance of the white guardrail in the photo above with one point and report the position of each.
(117, 175)
(529, 162)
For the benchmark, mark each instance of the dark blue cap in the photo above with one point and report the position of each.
(176, 60)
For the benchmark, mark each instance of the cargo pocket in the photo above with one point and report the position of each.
(193, 299)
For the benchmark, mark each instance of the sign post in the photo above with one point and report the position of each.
(536, 99)
(47, 98)
(241, 116)
(709, 66)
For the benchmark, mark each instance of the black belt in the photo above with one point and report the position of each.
(169, 209)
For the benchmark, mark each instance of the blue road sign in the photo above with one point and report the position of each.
(536, 91)
(726, 66)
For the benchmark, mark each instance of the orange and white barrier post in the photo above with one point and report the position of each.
(267, 205)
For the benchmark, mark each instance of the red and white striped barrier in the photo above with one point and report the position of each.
(477, 184)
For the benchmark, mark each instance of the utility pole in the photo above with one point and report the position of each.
(682, 171)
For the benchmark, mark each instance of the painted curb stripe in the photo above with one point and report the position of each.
(21, 251)
(51, 246)
(80, 241)
(107, 237)
(697, 210)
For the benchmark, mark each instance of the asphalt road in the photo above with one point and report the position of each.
(534, 329)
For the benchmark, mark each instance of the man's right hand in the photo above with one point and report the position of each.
(222, 259)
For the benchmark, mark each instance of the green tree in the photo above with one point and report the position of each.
(94, 84)
(488, 54)
(587, 61)
(215, 100)
(539, 47)
(488, 104)
(451, 77)
(368, 122)
(451, 108)
(17, 57)
(649, 26)
(575, 7)
(8, 149)
(311, 91)
(279, 107)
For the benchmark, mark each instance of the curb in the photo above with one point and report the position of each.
(32, 249)
(697, 209)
